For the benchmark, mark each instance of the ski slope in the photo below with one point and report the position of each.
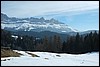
(52, 59)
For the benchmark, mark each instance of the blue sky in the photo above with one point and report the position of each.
(80, 15)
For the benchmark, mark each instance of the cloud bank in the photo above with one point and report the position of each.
(36, 8)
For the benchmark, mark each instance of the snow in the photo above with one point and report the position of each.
(10, 25)
(25, 21)
(21, 37)
(31, 28)
(51, 59)
(73, 29)
(64, 31)
(27, 26)
(14, 36)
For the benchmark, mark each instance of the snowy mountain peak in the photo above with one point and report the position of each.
(34, 24)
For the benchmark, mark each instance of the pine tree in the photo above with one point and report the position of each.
(51, 44)
(64, 47)
(59, 46)
(55, 43)
(45, 43)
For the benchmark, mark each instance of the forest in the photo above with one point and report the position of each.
(77, 44)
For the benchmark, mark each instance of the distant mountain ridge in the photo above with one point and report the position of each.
(34, 24)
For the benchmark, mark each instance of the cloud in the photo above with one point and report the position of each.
(36, 8)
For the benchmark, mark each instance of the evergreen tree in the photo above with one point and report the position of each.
(59, 46)
(64, 47)
(45, 43)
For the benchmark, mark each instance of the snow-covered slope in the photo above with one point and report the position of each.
(34, 24)
(52, 59)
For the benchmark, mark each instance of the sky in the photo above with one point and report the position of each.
(80, 15)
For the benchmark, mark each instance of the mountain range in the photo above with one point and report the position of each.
(38, 27)
(34, 24)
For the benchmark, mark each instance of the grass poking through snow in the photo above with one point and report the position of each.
(33, 55)
(9, 53)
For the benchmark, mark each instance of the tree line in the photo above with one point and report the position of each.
(73, 44)
(82, 44)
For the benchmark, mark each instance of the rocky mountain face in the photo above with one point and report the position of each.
(34, 24)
